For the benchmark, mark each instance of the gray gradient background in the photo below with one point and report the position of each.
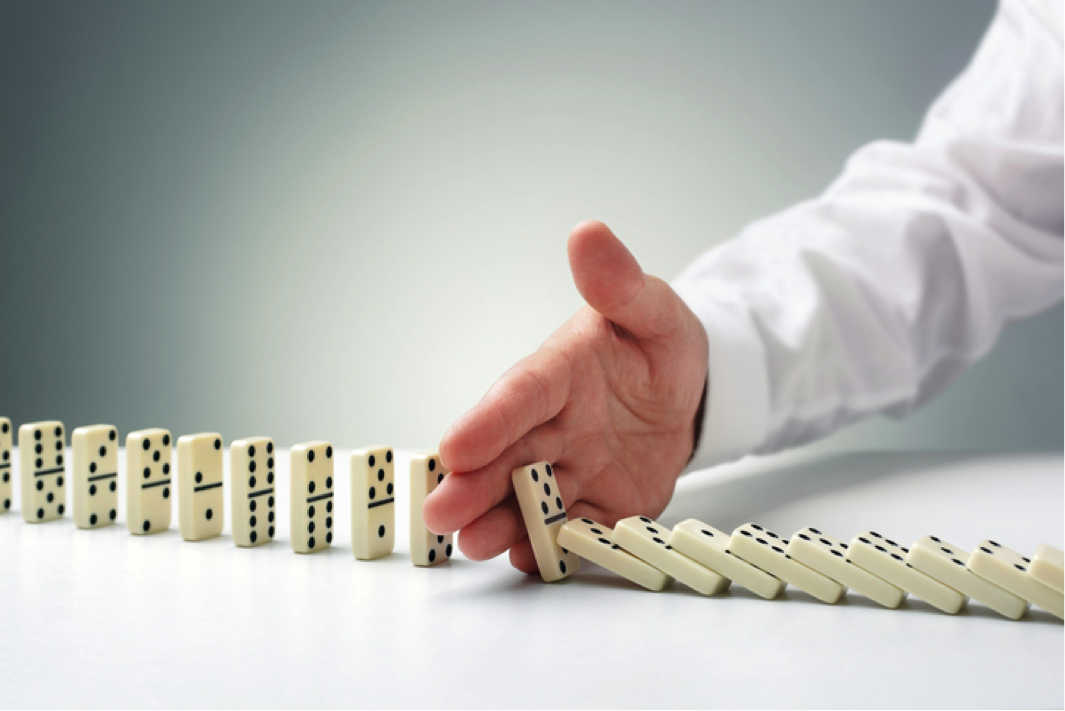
(344, 221)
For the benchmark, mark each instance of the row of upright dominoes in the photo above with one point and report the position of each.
(200, 485)
(708, 560)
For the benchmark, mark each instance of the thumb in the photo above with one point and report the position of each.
(610, 279)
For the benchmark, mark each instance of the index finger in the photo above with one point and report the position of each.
(530, 393)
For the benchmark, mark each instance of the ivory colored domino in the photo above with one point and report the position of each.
(254, 496)
(311, 500)
(148, 481)
(41, 469)
(5, 465)
(886, 559)
(94, 455)
(760, 546)
(544, 514)
(649, 541)
(201, 497)
(426, 548)
(373, 502)
(826, 555)
(945, 562)
(709, 547)
(1008, 569)
(1046, 567)
(593, 541)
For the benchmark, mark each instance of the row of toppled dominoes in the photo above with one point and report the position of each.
(200, 486)
(708, 560)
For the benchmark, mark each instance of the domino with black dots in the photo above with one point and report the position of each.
(201, 488)
(426, 548)
(311, 503)
(1008, 569)
(373, 502)
(544, 513)
(148, 481)
(94, 458)
(6, 486)
(42, 470)
(254, 497)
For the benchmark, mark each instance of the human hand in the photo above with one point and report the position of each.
(609, 399)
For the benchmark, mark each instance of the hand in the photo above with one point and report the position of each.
(609, 399)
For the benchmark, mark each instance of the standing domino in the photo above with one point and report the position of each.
(148, 481)
(426, 548)
(885, 559)
(1047, 567)
(761, 547)
(5, 465)
(946, 563)
(41, 468)
(373, 503)
(544, 514)
(649, 541)
(95, 459)
(311, 510)
(592, 540)
(708, 546)
(201, 499)
(1008, 569)
(828, 556)
(251, 475)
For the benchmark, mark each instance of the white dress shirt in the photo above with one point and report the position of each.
(877, 294)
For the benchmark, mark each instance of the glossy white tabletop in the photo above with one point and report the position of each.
(105, 619)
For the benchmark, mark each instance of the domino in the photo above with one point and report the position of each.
(252, 503)
(201, 496)
(1008, 569)
(886, 559)
(824, 554)
(5, 465)
(593, 541)
(426, 548)
(761, 547)
(709, 547)
(649, 541)
(148, 482)
(94, 452)
(41, 470)
(1046, 567)
(373, 502)
(541, 507)
(311, 472)
(946, 563)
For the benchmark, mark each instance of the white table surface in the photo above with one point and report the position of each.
(105, 619)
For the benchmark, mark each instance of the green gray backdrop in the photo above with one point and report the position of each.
(345, 220)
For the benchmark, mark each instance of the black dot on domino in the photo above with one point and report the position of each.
(199, 477)
(51, 497)
(92, 489)
(534, 475)
(447, 551)
(166, 469)
(166, 492)
(310, 527)
(251, 466)
(112, 514)
(59, 481)
(92, 520)
(328, 452)
(40, 485)
(252, 521)
(432, 465)
(329, 507)
(166, 440)
(156, 455)
(372, 493)
(329, 537)
(147, 472)
(558, 502)
(380, 475)
(604, 541)
(432, 555)
(544, 508)
(253, 536)
(329, 522)
(270, 532)
(146, 444)
(269, 447)
(92, 468)
(40, 513)
(310, 542)
(439, 477)
(439, 539)
(310, 511)
(252, 505)
(390, 489)
(103, 451)
(310, 487)
(381, 531)
(251, 450)
(562, 566)
(310, 456)
(209, 514)
(329, 482)
(146, 526)
(217, 443)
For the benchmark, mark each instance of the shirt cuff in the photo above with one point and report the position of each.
(737, 405)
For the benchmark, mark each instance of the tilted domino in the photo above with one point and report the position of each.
(544, 514)
(426, 548)
(1047, 567)
(592, 541)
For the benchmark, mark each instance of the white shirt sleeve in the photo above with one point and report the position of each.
(876, 295)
